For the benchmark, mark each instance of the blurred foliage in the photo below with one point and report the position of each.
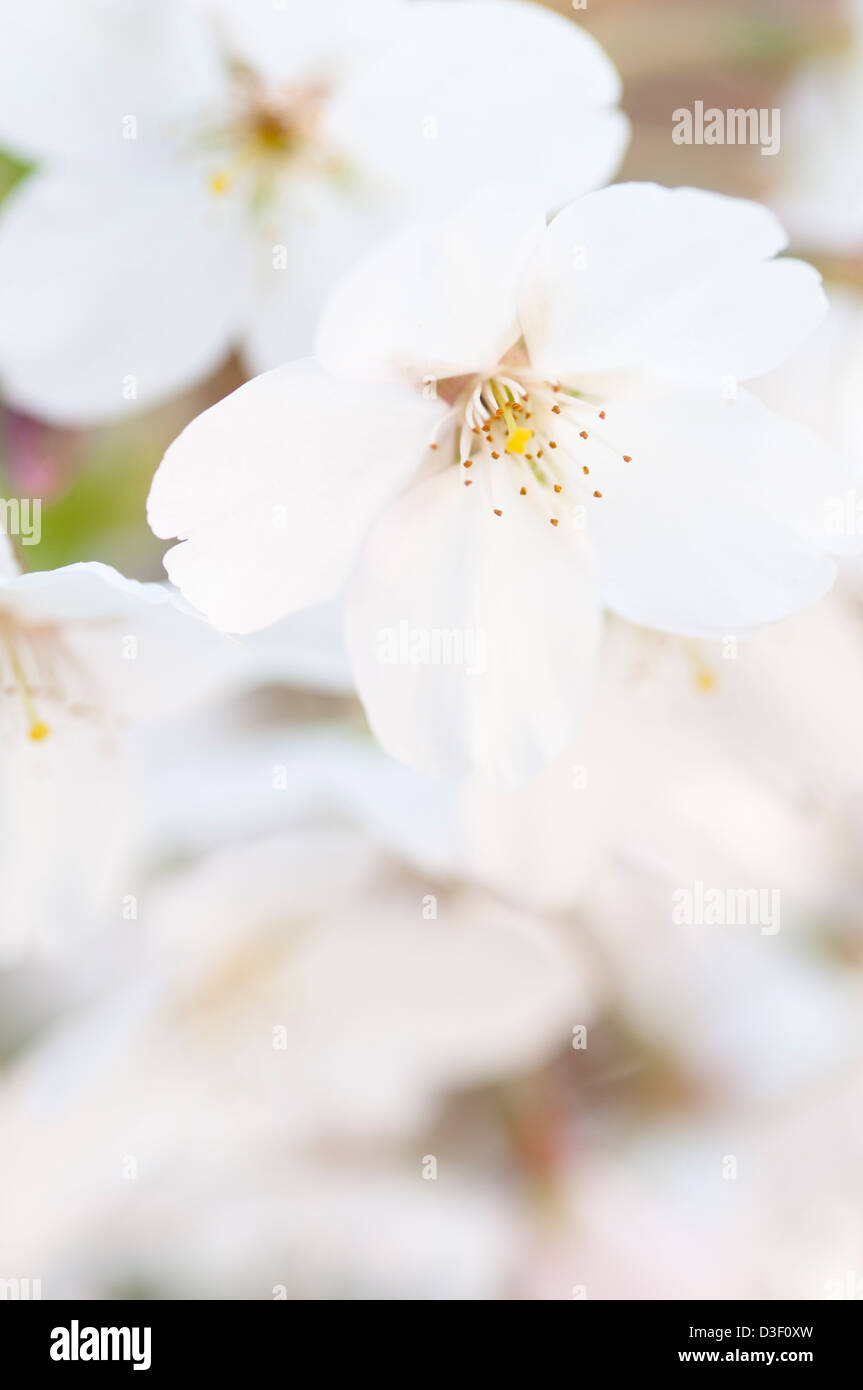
(12, 171)
(100, 515)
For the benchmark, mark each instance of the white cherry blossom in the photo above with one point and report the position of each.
(204, 172)
(509, 426)
(84, 645)
(84, 655)
(287, 1004)
(819, 186)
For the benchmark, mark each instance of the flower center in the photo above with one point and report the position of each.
(267, 132)
(551, 435)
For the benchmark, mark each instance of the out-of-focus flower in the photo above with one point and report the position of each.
(206, 784)
(820, 196)
(744, 1018)
(757, 1203)
(292, 1004)
(689, 770)
(627, 1233)
(204, 172)
(83, 643)
(192, 1225)
(382, 999)
(695, 761)
(580, 379)
(821, 385)
(741, 763)
(84, 653)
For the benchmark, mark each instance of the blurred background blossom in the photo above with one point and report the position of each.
(303, 1023)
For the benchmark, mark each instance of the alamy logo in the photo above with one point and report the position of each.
(737, 126)
(77, 1343)
(726, 907)
(20, 1289)
(22, 517)
(433, 646)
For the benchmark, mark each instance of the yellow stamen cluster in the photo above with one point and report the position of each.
(496, 425)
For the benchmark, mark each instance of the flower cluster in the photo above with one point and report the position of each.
(445, 884)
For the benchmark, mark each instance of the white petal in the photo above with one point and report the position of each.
(314, 233)
(273, 489)
(719, 522)
(210, 783)
(483, 93)
(134, 650)
(306, 650)
(487, 994)
(75, 593)
(820, 191)
(72, 74)
(9, 566)
(472, 635)
(291, 41)
(117, 290)
(289, 877)
(67, 843)
(669, 282)
(435, 300)
(820, 385)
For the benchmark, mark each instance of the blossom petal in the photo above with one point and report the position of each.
(472, 635)
(273, 489)
(73, 76)
(821, 383)
(819, 194)
(67, 803)
(136, 649)
(292, 41)
(116, 292)
(314, 234)
(674, 283)
(9, 566)
(484, 92)
(435, 300)
(718, 523)
(305, 650)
